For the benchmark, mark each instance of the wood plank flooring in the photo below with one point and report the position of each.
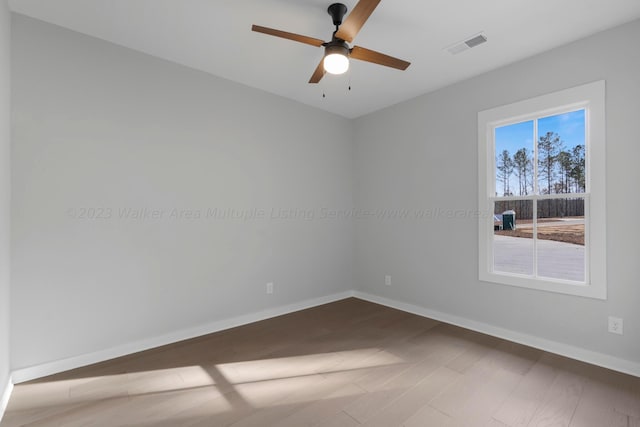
(348, 363)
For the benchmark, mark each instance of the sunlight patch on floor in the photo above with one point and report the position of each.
(230, 386)
(81, 390)
(297, 366)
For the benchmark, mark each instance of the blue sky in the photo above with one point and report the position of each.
(570, 126)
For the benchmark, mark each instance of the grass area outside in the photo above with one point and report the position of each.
(558, 229)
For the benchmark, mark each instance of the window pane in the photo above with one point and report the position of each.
(514, 159)
(560, 245)
(561, 148)
(512, 239)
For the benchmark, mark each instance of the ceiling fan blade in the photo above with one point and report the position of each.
(318, 73)
(378, 58)
(356, 19)
(285, 35)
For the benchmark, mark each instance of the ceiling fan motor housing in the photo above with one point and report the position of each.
(337, 46)
(337, 12)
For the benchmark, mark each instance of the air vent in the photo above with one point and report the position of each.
(467, 44)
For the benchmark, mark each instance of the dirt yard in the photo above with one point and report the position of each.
(548, 230)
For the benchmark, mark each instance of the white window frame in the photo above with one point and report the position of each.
(591, 98)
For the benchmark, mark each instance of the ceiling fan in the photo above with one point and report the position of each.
(337, 51)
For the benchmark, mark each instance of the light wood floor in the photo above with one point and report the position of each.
(347, 363)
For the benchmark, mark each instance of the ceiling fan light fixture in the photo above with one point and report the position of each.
(336, 58)
(336, 63)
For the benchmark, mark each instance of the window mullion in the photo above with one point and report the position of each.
(535, 198)
(535, 157)
(535, 236)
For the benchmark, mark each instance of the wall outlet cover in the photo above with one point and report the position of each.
(615, 325)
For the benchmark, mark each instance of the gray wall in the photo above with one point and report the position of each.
(422, 155)
(5, 189)
(100, 126)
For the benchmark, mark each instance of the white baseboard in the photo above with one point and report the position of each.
(4, 398)
(43, 370)
(588, 356)
(595, 358)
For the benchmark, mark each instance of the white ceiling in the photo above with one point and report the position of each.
(215, 36)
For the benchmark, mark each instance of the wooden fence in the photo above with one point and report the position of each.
(551, 208)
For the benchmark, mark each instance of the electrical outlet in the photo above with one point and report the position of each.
(615, 325)
(387, 280)
(270, 287)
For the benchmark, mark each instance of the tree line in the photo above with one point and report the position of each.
(560, 171)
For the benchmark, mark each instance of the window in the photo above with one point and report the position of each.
(542, 193)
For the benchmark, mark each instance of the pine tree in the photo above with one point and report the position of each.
(565, 166)
(578, 168)
(549, 147)
(523, 165)
(505, 166)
